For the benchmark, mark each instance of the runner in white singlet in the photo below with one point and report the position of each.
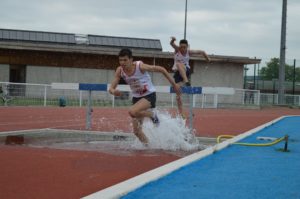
(140, 83)
(179, 58)
(181, 67)
(136, 76)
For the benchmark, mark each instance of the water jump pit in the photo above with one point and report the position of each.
(171, 135)
(117, 143)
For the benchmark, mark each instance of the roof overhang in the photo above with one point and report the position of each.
(88, 49)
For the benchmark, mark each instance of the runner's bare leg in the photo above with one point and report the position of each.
(138, 111)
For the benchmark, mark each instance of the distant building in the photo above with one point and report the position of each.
(46, 57)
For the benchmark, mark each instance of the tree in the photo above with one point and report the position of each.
(270, 71)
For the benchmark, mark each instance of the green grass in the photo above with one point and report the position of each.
(69, 102)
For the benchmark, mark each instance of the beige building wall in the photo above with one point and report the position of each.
(218, 75)
(47, 75)
(205, 74)
(4, 72)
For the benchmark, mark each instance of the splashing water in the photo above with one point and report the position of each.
(171, 134)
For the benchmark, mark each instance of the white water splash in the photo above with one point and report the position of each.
(171, 134)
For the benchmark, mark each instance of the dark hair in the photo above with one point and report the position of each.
(184, 41)
(125, 52)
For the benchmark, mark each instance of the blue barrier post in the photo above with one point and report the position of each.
(90, 88)
(191, 91)
(88, 124)
(191, 117)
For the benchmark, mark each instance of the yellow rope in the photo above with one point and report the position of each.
(252, 144)
(223, 136)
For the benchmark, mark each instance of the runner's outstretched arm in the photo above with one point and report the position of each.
(152, 68)
(200, 52)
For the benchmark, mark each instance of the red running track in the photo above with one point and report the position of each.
(207, 122)
(48, 173)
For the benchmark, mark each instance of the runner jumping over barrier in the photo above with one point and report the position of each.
(135, 73)
(182, 67)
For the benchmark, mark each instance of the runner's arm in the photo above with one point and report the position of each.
(112, 89)
(200, 52)
(172, 43)
(160, 69)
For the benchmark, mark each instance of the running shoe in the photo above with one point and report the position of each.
(187, 84)
(155, 119)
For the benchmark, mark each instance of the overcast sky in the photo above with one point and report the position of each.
(225, 27)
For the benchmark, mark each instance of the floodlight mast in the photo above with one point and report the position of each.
(281, 88)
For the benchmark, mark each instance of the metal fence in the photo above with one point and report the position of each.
(272, 99)
(26, 94)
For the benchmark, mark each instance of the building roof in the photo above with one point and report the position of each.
(73, 39)
(94, 44)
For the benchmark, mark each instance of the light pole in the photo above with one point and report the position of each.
(294, 76)
(245, 76)
(185, 18)
(254, 75)
(274, 87)
(282, 54)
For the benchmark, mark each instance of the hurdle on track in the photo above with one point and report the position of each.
(190, 91)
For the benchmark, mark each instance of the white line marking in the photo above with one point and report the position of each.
(41, 122)
(23, 131)
(123, 188)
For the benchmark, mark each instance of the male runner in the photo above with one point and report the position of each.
(182, 67)
(136, 75)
